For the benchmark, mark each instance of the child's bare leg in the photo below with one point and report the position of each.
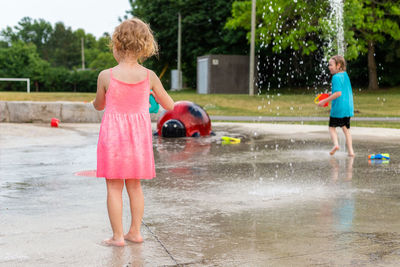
(349, 141)
(335, 169)
(334, 137)
(349, 170)
(114, 206)
(137, 206)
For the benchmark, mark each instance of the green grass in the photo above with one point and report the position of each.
(382, 103)
(46, 96)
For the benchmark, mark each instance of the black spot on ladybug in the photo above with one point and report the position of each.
(195, 110)
(173, 128)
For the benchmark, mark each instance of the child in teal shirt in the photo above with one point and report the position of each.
(342, 103)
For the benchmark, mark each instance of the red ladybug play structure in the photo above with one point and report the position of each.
(186, 119)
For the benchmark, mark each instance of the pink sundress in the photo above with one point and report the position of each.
(125, 147)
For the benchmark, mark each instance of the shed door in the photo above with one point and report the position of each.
(202, 76)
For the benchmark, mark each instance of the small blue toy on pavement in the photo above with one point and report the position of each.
(383, 156)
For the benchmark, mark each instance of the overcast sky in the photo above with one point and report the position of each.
(94, 16)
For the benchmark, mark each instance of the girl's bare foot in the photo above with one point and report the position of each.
(113, 242)
(334, 149)
(133, 238)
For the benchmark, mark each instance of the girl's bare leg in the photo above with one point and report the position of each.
(349, 141)
(334, 137)
(136, 201)
(114, 206)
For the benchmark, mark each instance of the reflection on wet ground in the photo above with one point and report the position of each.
(267, 201)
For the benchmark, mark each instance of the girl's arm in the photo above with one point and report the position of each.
(159, 92)
(100, 101)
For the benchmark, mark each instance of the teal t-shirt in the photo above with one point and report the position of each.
(342, 106)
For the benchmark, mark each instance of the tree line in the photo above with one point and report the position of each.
(51, 56)
(292, 38)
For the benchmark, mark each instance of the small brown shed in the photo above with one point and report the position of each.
(223, 74)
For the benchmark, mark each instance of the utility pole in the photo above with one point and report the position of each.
(83, 53)
(179, 51)
(252, 47)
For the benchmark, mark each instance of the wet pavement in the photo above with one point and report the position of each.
(275, 199)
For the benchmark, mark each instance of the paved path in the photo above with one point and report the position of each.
(276, 199)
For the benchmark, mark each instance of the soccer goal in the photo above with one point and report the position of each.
(27, 80)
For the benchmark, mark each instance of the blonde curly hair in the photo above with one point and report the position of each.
(134, 37)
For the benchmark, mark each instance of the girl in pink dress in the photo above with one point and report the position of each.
(125, 148)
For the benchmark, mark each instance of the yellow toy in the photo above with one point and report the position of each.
(229, 140)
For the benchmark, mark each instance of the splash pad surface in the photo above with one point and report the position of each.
(275, 198)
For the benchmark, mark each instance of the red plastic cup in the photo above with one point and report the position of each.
(54, 122)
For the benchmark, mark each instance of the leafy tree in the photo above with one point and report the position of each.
(54, 67)
(103, 60)
(388, 56)
(282, 23)
(58, 79)
(100, 56)
(3, 44)
(203, 31)
(90, 46)
(304, 26)
(103, 44)
(369, 23)
(64, 47)
(37, 70)
(290, 39)
(35, 31)
(83, 80)
(22, 60)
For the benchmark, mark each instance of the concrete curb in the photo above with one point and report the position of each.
(33, 111)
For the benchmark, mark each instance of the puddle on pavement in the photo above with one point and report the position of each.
(263, 200)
